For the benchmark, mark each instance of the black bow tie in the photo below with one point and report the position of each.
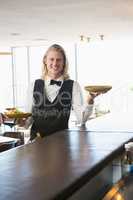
(52, 82)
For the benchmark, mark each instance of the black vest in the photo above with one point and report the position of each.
(51, 117)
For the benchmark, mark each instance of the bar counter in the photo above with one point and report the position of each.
(65, 165)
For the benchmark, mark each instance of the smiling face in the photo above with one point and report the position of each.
(54, 62)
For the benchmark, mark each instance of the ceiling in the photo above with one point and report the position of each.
(36, 22)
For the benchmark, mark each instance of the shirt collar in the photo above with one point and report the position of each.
(48, 79)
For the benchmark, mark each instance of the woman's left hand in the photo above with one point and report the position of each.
(21, 122)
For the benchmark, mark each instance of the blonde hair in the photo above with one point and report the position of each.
(60, 49)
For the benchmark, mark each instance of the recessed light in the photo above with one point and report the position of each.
(88, 39)
(15, 34)
(81, 38)
(39, 39)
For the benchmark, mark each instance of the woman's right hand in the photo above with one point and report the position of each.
(92, 96)
(1, 120)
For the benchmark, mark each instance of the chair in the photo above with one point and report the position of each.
(19, 135)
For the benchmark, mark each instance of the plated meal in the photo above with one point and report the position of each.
(98, 88)
(16, 113)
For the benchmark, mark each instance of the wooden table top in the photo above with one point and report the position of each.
(4, 140)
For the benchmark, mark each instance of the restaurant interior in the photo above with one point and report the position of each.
(83, 162)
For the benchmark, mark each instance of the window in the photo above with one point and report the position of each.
(20, 78)
(6, 84)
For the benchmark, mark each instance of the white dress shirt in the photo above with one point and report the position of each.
(81, 109)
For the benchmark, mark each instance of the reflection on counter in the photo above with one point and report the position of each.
(121, 190)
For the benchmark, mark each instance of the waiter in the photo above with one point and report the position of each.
(54, 95)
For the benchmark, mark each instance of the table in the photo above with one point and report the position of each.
(7, 143)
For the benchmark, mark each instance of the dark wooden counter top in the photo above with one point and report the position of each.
(58, 165)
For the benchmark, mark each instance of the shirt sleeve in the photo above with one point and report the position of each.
(29, 98)
(28, 105)
(81, 109)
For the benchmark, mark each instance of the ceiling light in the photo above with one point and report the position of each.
(40, 39)
(15, 34)
(88, 39)
(101, 37)
(81, 38)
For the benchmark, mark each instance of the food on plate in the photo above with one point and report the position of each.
(98, 88)
(16, 113)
